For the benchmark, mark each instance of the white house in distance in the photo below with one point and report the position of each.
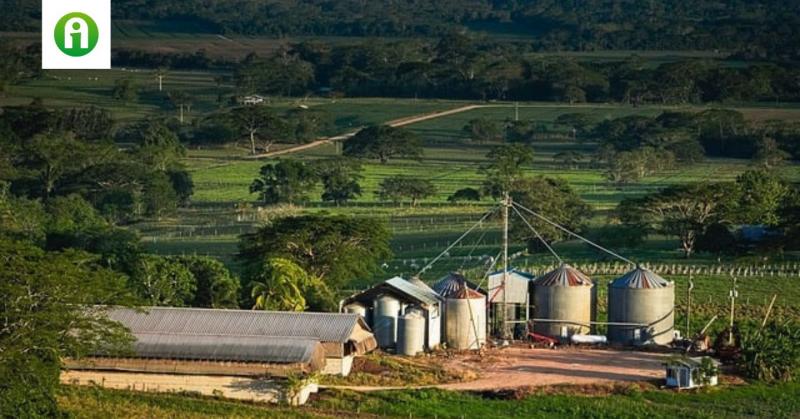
(687, 373)
(252, 100)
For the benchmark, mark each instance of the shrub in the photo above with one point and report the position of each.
(771, 354)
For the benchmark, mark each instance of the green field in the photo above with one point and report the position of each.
(782, 401)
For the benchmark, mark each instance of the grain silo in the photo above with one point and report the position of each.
(646, 303)
(387, 309)
(411, 334)
(465, 320)
(563, 294)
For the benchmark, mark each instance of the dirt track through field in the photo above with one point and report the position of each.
(520, 367)
(394, 123)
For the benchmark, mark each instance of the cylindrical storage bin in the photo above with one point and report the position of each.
(645, 304)
(356, 308)
(465, 320)
(411, 334)
(563, 300)
(387, 309)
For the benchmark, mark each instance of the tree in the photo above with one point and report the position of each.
(162, 281)
(717, 239)
(483, 130)
(760, 194)
(259, 122)
(125, 90)
(159, 147)
(505, 168)
(568, 159)
(282, 285)
(554, 199)
(580, 124)
(214, 284)
(397, 188)
(335, 249)
(183, 185)
(769, 154)
(308, 124)
(287, 181)
(340, 179)
(21, 219)
(683, 211)
(158, 195)
(383, 142)
(50, 158)
(53, 308)
(466, 194)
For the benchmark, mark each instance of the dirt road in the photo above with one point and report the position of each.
(519, 367)
(394, 123)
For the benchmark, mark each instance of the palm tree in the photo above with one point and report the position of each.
(282, 285)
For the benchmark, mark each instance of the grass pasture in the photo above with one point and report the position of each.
(781, 401)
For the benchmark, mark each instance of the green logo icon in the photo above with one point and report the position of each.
(76, 34)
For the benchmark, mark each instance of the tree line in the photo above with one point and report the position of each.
(763, 28)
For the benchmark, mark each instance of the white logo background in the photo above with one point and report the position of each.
(53, 58)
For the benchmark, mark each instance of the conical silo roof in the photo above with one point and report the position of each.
(450, 285)
(640, 278)
(563, 276)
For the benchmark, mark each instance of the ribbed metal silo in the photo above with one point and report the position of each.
(646, 300)
(411, 334)
(465, 320)
(387, 309)
(563, 294)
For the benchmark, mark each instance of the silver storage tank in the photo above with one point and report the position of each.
(645, 299)
(387, 309)
(465, 320)
(411, 334)
(563, 294)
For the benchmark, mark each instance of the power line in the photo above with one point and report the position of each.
(576, 235)
(474, 226)
(544, 242)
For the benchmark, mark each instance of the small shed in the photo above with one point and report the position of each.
(517, 283)
(411, 297)
(686, 373)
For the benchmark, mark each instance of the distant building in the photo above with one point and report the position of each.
(686, 373)
(252, 100)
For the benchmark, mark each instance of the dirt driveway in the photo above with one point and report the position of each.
(515, 367)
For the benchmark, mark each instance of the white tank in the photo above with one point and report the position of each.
(465, 320)
(387, 309)
(356, 308)
(411, 334)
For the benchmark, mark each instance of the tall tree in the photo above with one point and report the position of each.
(287, 181)
(53, 308)
(214, 284)
(482, 130)
(505, 168)
(383, 142)
(258, 122)
(554, 199)
(683, 211)
(340, 179)
(162, 281)
(336, 249)
(397, 188)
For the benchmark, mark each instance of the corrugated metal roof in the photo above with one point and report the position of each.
(426, 296)
(640, 278)
(563, 276)
(325, 327)
(278, 350)
(452, 284)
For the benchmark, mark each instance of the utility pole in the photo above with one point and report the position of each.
(689, 306)
(734, 294)
(516, 111)
(506, 206)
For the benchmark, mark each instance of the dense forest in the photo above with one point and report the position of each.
(763, 28)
